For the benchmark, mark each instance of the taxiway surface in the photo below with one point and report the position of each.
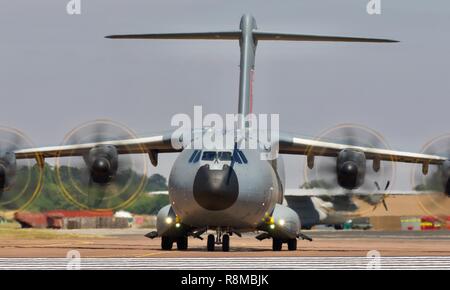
(131, 243)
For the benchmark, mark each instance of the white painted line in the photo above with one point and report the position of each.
(263, 263)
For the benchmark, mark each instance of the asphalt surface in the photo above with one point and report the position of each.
(131, 243)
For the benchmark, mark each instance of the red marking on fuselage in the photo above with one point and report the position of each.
(252, 72)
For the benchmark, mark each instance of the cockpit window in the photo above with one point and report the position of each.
(225, 156)
(209, 155)
(241, 154)
(236, 156)
(195, 156)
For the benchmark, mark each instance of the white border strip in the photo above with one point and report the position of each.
(262, 263)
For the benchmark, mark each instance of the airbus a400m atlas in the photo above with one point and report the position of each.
(229, 191)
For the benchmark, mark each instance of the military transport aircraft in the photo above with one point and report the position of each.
(228, 191)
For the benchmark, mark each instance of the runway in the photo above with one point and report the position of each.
(261, 263)
(328, 248)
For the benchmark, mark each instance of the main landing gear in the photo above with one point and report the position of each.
(277, 244)
(167, 243)
(219, 239)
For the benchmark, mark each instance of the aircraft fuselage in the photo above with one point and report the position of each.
(223, 188)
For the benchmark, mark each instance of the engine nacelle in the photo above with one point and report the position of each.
(102, 162)
(283, 224)
(7, 169)
(350, 168)
(165, 220)
(168, 225)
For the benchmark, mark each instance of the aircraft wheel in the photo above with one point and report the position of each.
(166, 243)
(211, 243)
(182, 243)
(226, 243)
(292, 245)
(277, 244)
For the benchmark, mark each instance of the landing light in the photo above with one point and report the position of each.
(281, 222)
(272, 226)
(169, 220)
(177, 225)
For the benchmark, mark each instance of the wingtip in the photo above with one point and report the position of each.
(377, 40)
(391, 40)
(384, 40)
(114, 36)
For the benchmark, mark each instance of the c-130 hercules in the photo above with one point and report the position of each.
(231, 191)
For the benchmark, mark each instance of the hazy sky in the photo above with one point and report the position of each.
(57, 70)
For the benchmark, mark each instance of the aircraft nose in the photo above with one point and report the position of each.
(216, 189)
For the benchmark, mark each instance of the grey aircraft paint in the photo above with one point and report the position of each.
(247, 64)
(241, 209)
(242, 193)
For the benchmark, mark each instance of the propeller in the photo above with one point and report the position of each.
(20, 180)
(102, 178)
(436, 181)
(383, 199)
(324, 171)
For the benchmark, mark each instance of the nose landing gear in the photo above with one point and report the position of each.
(219, 239)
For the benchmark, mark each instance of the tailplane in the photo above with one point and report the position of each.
(248, 37)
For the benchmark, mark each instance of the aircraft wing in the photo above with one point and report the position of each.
(294, 145)
(151, 145)
(318, 192)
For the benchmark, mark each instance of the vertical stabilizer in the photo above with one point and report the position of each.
(247, 44)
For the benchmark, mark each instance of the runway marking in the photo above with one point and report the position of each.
(148, 255)
(259, 263)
